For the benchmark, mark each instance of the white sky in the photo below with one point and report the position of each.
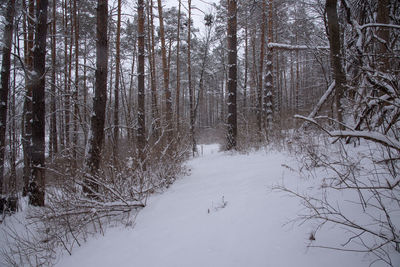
(199, 9)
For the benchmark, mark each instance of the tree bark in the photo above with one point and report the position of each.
(261, 68)
(53, 117)
(5, 83)
(37, 183)
(232, 74)
(116, 89)
(100, 98)
(168, 99)
(141, 136)
(178, 74)
(27, 112)
(335, 54)
(191, 94)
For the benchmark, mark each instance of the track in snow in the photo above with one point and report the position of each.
(223, 214)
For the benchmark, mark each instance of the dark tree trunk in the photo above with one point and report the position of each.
(27, 110)
(116, 89)
(268, 90)
(178, 74)
(191, 94)
(335, 52)
(5, 82)
(155, 124)
(232, 74)
(141, 136)
(76, 91)
(100, 98)
(37, 183)
(53, 119)
(261, 68)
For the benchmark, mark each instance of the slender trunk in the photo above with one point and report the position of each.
(53, 119)
(268, 91)
(155, 125)
(5, 82)
(246, 66)
(116, 90)
(168, 104)
(261, 68)
(178, 74)
(232, 75)
(76, 91)
(141, 136)
(37, 183)
(66, 78)
(191, 94)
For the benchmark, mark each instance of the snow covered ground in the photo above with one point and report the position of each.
(223, 214)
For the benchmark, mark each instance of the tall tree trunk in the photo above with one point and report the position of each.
(141, 136)
(76, 91)
(53, 117)
(178, 74)
(168, 99)
(5, 82)
(335, 53)
(27, 110)
(100, 98)
(246, 65)
(37, 183)
(66, 77)
(268, 91)
(261, 68)
(191, 94)
(232, 76)
(116, 90)
(155, 124)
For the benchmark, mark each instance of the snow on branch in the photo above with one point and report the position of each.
(296, 47)
(379, 25)
(372, 136)
(321, 101)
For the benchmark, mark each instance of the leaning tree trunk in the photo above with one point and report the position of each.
(100, 99)
(232, 78)
(37, 183)
(336, 64)
(5, 82)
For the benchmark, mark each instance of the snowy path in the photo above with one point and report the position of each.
(175, 229)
